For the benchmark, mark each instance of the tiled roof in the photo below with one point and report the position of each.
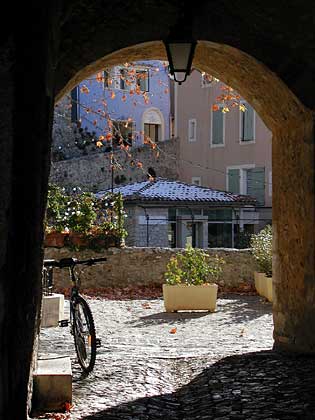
(164, 190)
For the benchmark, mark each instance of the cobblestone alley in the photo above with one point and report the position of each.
(154, 365)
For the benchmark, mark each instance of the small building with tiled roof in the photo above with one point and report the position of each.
(170, 213)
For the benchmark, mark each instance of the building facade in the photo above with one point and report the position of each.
(131, 101)
(128, 105)
(228, 150)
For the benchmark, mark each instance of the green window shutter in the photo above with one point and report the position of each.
(217, 127)
(256, 184)
(248, 124)
(234, 181)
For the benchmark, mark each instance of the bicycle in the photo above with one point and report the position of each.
(82, 325)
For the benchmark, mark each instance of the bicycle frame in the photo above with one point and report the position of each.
(74, 293)
(82, 325)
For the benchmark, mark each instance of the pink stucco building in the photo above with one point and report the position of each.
(228, 151)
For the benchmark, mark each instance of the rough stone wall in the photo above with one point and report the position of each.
(145, 266)
(130, 226)
(153, 234)
(67, 141)
(93, 172)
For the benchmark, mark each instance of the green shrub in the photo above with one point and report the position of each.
(111, 214)
(80, 212)
(56, 204)
(193, 267)
(261, 245)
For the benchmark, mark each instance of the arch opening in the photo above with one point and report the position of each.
(291, 124)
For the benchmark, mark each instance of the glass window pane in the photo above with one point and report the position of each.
(172, 235)
(217, 127)
(171, 214)
(219, 235)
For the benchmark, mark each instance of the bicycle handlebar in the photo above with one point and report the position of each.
(71, 262)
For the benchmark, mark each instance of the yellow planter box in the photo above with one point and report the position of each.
(263, 285)
(268, 283)
(258, 282)
(181, 297)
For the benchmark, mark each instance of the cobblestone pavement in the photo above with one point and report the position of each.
(144, 371)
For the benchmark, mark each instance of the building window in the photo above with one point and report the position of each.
(153, 125)
(247, 180)
(142, 80)
(122, 133)
(217, 128)
(219, 235)
(107, 80)
(219, 215)
(192, 129)
(171, 235)
(220, 227)
(196, 180)
(153, 131)
(122, 78)
(247, 124)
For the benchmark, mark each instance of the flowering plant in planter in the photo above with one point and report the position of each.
(80, 212)
(261, 244)
(85, 220)
(197, 270)
(56, 204)
(111, 216)
(193, 267)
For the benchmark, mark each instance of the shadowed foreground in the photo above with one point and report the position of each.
(262, 385)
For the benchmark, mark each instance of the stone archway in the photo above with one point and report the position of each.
(292, 126)
(252, 48)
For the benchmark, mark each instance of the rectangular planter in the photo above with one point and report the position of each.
(268, 283)
(182, 297)
(263, 285)
(258, 282)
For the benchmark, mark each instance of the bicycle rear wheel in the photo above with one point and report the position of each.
(84, 334)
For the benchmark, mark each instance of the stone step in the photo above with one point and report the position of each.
(52, 382)
(52, 310)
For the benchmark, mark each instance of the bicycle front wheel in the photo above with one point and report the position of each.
(84, 334)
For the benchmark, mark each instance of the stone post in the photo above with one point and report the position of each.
(293, 232)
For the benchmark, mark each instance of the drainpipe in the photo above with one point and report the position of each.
(147, 219)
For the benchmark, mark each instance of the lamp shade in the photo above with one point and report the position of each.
(180, 56)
